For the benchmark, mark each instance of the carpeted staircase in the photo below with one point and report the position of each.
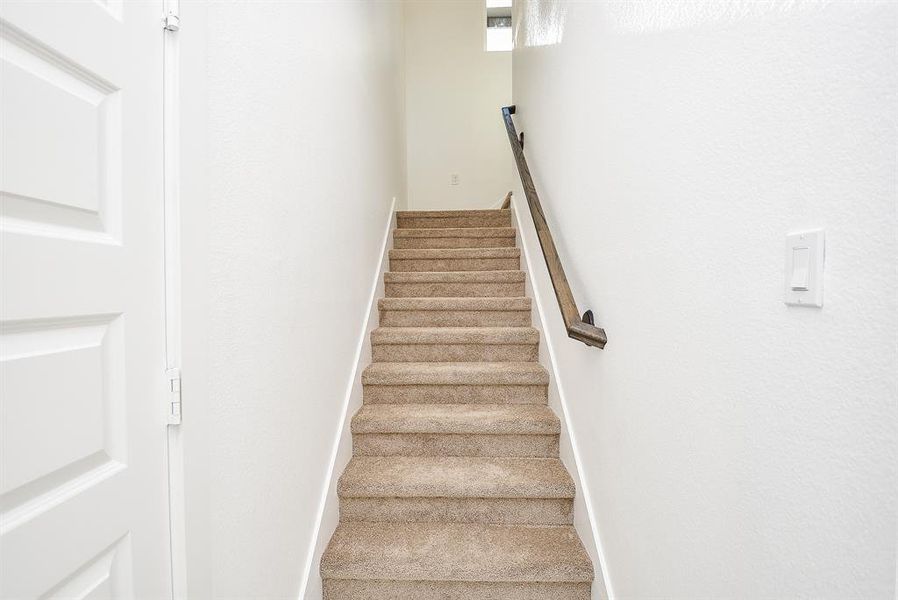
(455, 489)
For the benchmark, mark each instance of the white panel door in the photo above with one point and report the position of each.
(83, 483)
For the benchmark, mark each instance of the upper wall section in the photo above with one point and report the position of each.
(735, 447)
(454, 89)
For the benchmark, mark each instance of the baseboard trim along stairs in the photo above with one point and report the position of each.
(455, 488)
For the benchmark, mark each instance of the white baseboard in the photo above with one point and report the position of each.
(328, 508)
(538, 283)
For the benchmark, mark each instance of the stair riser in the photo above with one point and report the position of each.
(455, 394)
(368, 589)
(455, 352)
(452, 242)
(455, 318)
(441, 444)
(489, 220)
(454, 290)
(499, 511)
(454, 264)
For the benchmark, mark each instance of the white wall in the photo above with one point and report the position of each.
(303, 141)
(734, 447)
(454, 91)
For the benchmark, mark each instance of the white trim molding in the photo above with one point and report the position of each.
(328, 514)
(537, 283)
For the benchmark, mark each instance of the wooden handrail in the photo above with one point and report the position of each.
(578, 328)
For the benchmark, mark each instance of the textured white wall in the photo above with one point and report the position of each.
(454, 90)
(735, 447)
(305, 153)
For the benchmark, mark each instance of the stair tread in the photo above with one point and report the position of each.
(498, 419)
(454, 476)
(453, 253)
(469, 232)
(459, 373)
(455, 335)
(455, 303)
(481, 212)
(455, 552)
(453, 276)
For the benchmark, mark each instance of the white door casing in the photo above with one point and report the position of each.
(83, 482)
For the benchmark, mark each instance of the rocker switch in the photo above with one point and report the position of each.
(800, 269)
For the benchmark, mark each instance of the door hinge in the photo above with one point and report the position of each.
(171, 21)
(173, 401)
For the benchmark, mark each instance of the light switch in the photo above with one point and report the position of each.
(800, 274)
(804, 268)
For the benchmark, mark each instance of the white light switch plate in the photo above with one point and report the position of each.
(803, 282)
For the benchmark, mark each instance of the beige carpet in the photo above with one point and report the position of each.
(455, 489)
